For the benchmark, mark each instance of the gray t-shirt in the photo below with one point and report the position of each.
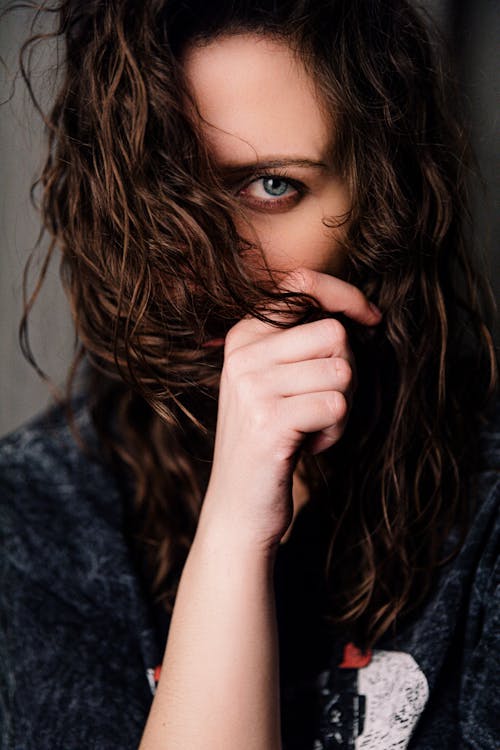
(79, 642)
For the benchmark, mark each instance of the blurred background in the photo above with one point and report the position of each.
(472, 29)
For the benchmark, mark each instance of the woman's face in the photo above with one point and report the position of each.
(271, 142)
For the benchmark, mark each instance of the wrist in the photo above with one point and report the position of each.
(218, 534)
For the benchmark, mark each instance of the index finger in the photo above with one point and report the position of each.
(333, 294)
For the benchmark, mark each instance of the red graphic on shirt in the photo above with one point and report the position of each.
(354, 658)
(153, 675)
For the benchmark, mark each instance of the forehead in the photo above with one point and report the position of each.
(257, 98)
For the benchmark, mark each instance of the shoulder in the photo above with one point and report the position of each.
(61, 508)
(44, 468)
(489, 440)
(480, 546)
(481, 662)
(485, 482)
(71, 610)
(45, 447)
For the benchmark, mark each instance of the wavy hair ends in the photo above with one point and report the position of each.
(154, 267)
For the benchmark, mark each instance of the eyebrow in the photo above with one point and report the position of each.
(231, 168)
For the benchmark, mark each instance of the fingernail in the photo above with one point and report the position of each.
(375, 309)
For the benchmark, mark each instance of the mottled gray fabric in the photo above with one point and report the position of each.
(78, 637)
(73, 672)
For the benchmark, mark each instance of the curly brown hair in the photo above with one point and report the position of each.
(154, 266)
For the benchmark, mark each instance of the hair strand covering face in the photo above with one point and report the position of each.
(154, 268)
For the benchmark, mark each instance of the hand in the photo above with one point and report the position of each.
(279, 386)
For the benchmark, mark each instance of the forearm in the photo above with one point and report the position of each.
(219, 687)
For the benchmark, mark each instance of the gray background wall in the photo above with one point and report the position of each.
(472, 27)
(22, 393)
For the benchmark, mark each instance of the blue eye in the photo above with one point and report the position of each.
(272, 193)
(275, 185)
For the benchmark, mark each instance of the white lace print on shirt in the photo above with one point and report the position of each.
(371, 701)
(396, 691)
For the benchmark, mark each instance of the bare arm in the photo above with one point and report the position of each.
(219, 687)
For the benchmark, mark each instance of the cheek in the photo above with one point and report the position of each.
(299, 238)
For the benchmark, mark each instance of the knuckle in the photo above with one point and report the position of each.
(343, 372)
(233, 364)
(232, 338)
(300, 280)
(332, 329)
(336, 404)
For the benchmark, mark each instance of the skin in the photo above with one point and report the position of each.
(219, 687)
(253, 116)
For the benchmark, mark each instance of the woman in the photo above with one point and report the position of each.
(295, 487)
